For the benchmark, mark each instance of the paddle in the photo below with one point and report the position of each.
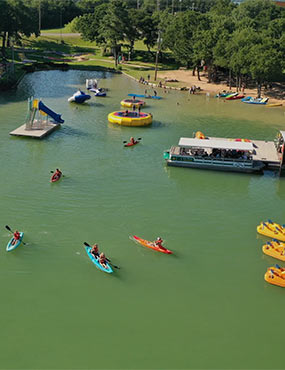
(8, 228)
(107, 259)
(53, 172)
(139, 138)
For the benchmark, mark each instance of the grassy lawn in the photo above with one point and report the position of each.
(65, 48)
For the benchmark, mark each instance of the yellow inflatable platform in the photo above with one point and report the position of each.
(275, 249)
(126, 118)
(275, 276)
(129, 103)
(272, 229)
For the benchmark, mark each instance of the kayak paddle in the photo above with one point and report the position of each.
(8, 228)
(61, 173)
(139, 138)
(107, 259)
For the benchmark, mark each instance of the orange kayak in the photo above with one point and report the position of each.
(151, 245)
(275, 249)
(275, 276)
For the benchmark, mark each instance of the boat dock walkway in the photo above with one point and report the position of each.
(37, 133)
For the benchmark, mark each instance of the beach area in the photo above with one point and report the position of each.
(276, 95)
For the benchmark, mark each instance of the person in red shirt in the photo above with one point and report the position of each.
(17, 237)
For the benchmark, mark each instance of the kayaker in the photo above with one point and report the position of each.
(95, 250)
(16, 237)
(158, 242)
(132, 140)
(102, 260)
(57, 172)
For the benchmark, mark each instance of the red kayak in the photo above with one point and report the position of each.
(132, 144)
(151, 245)
(234, 97)
(55, 177)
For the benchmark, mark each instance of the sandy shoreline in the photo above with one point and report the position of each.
(185, 76)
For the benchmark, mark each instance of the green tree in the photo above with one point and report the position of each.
(114, 25)
(87, 24)
(179, 36)
(17, 20)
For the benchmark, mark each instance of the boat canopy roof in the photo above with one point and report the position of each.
(215, 144)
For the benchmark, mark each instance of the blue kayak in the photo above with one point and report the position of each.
(146, 96)
(96, 262)
(11, 246)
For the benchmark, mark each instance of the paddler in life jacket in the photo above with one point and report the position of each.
(57, 173)
(95, 250)
(158, 242)
(132, 140)
(16, 237)
(103, 260)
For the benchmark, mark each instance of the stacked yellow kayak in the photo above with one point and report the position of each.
(275, 249)
(275, 275)
(272, 229)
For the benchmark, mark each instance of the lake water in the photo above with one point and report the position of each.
(206, 306)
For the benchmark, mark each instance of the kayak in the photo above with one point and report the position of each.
(235, 97)
(274, 105)
(11, 246)
(97, 263)
(132, 144)
(275, 249)
(151, 245)
(272, 230)
(146, 96)
(55, 177)
(274, 275)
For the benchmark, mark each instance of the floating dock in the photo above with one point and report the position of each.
(40, 121)
(35, 132)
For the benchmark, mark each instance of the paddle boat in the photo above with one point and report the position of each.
(98, 92)
(79, 97)
(272, 230)
(275, 275)
(129, 103)
(126, 118)
(275, 249)
(91, 84)
(213, 154)
(251, 100)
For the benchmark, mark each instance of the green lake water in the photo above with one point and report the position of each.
(206, 306)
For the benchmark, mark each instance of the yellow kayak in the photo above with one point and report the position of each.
(274, 105)
(275, 249)
(272, 230)
(275, 275)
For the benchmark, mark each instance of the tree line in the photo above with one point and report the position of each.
(246, 41)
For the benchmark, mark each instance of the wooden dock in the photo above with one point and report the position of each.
(35, 132)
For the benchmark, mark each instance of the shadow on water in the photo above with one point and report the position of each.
(70, 131)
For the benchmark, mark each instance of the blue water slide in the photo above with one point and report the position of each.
(52, 114)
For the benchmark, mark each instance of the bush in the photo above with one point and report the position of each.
(72, 26)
